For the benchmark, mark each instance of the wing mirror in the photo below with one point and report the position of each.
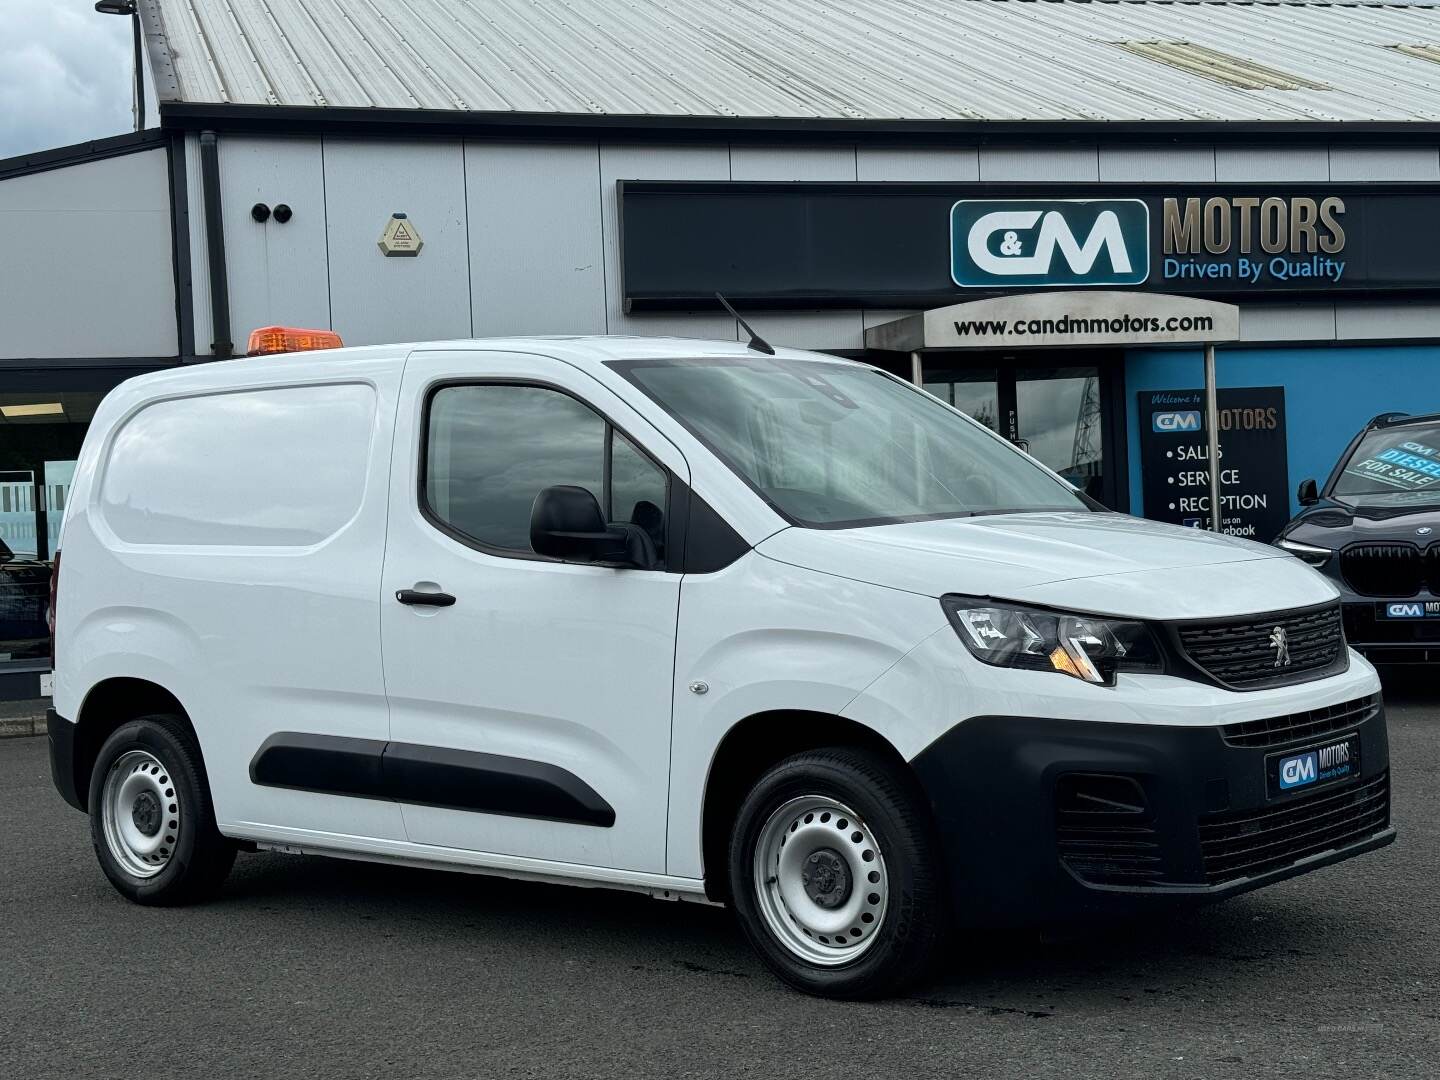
(1307, 494)
(566, 524)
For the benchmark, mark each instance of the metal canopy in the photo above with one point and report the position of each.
(1061, 319)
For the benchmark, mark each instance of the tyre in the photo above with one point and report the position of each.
(835, 876)
(151, 819)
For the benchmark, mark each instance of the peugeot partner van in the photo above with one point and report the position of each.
(762, 628)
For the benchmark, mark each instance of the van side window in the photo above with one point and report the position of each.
(490, 449)
(283, 467)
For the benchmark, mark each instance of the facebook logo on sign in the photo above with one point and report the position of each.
(1298, 771)
(1171, 422)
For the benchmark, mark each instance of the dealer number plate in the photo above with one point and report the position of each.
(1408, 609)
(1295, 771)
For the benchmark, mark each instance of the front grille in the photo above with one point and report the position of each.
(1383, 569)
(1432, 568)
(1241, 653)
(1302, 726)
(1246, 843)
(1104, 830)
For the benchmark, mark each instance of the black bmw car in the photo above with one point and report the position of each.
(1374, 529)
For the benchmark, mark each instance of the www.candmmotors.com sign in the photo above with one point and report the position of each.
(1060, 243)
(921, 245)
(1073, 317)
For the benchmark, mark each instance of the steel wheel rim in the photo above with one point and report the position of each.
(820, 880)
(138, 797)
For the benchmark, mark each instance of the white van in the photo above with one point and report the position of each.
(779, 631)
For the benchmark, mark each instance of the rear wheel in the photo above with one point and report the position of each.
(834, 876)
(151, 819)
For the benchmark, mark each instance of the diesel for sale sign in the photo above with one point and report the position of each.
(1254, 470)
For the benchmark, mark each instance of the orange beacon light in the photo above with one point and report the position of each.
(287, 339)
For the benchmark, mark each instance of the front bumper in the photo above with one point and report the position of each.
(1391, 641)
(1047, 821)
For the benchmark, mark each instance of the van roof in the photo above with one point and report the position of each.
(583, 351)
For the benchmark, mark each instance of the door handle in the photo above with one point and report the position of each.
(424, 599)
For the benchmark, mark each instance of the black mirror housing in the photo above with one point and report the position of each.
(566, 524)
(1307, 494)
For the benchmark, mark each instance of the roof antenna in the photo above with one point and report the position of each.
(757, 343)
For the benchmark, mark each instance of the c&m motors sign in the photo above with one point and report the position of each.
(1025, 243)
(1248, 241)
(872, 244)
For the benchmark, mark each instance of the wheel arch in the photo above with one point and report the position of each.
(109, 704)
(751, 747)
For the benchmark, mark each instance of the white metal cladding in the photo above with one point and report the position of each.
(372, 296)
(282, 272)
(540, 221)
(846, 59)
(86, 269)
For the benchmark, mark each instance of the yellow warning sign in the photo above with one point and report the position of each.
(400, 237)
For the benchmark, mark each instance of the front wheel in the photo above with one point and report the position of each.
(151, 819)
(834, 874)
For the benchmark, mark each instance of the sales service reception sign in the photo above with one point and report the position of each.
(1254, 470)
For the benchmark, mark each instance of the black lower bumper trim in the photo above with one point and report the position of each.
(61, 734)
(1049, 821)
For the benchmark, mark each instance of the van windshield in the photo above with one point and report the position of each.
(1398, 466)
(839, 445)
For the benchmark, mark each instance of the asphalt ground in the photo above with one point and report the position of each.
(309, 967)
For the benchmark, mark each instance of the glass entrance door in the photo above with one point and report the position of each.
(1059, 407)
(17, 515)
(974, 391)
(1061, 422)
(54, 494)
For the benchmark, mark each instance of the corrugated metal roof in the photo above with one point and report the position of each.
(862, 60)
(1218, 66)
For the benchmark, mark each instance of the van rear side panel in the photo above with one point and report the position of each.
(225, 542)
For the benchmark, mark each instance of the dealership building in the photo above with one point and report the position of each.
(1042, 211)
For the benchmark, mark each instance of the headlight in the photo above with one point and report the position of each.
(1315, 556)
(1086, 647)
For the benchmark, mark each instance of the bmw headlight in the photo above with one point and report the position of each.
(1315, 556)
(1088, 647)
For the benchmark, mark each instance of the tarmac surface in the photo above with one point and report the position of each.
(308, 967)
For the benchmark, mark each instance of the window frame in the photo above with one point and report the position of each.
(668, 563)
